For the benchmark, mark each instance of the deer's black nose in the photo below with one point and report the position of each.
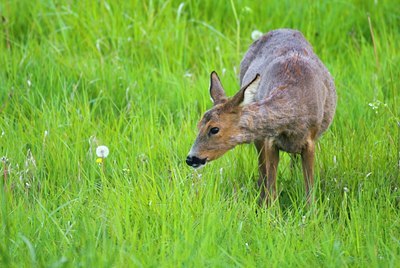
(195, 162)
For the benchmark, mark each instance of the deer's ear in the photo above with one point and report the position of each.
(217, 92)
(247, 93)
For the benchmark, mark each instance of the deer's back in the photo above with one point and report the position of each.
(294, 82)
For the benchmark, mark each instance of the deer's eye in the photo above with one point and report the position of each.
(214, 130)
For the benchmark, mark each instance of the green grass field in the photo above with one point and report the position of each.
(134, 76)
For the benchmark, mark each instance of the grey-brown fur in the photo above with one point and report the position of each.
(296, 93)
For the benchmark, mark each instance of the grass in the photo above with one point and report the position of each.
(133, 75)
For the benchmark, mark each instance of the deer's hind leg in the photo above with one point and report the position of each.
(268, 160)
(307, 161)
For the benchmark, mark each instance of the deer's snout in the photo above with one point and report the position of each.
(195, 162)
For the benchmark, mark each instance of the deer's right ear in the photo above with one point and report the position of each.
(217, 92)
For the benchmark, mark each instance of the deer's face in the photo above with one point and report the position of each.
(219, 129)
(218, 132)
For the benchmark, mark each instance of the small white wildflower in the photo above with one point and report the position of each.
(188, 74)
(256, 34)
(376, 104)
(345, 189)
(29, 83)
(102, 151)
(303, 219)
(223, 71)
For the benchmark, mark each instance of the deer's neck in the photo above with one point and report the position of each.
(263, 119)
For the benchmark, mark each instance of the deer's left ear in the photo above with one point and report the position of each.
(247, 93)
(217, 92)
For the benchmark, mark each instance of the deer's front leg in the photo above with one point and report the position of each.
(262, 170)
(307, 161)
(268, 160)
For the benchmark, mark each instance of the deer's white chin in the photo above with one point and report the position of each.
(200, 166)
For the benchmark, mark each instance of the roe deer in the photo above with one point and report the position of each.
(286, 101)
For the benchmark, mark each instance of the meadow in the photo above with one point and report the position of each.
(134, 76)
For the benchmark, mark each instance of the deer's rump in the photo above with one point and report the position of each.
(296, 88)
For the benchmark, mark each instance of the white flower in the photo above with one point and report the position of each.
(102, 151)
(188, 74)
(256, 34)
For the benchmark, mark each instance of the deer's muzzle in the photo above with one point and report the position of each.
(195, 162)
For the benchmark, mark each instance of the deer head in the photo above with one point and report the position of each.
(219, 129)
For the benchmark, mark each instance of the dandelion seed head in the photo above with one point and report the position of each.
(102, 151)
(256, 34)
(188, 74)
(247, 9)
